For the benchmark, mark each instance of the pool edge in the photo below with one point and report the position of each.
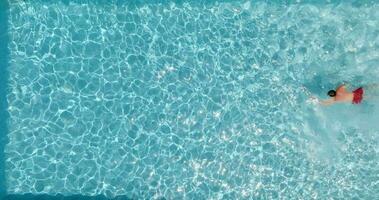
(4, 116)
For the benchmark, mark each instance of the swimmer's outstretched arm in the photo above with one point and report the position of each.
(323, 102)
(327, 102)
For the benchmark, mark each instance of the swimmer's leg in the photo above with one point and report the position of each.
(372, 86)
(371, 91)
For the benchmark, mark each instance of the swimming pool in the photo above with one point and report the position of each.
(190, 100)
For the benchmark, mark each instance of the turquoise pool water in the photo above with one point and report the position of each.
(191, 100)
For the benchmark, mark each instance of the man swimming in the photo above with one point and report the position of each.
(342, 95)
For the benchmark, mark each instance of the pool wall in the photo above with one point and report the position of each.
(3, 90)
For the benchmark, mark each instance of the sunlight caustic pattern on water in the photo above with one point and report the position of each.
(188, 100)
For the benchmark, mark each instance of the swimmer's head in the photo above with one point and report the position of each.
(332, 93)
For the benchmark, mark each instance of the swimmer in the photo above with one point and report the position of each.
(342, 95)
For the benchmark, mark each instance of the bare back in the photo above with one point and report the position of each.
(343, 94)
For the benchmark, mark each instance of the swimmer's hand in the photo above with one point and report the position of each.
(313, 100)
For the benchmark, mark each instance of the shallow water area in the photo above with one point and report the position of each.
(191, 100)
